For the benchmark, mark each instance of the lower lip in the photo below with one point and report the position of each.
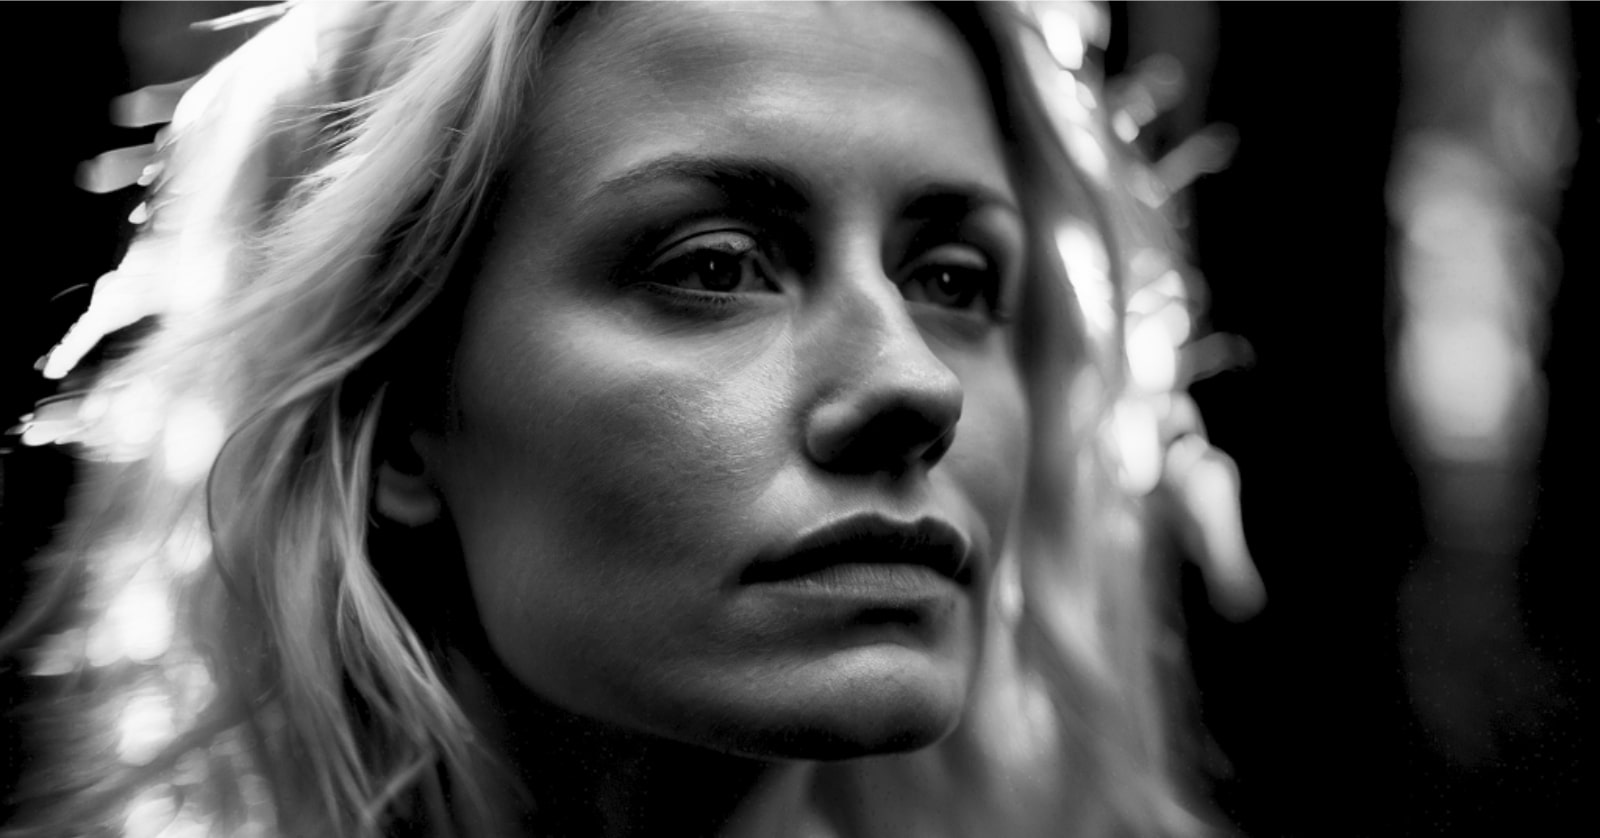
(886, 583)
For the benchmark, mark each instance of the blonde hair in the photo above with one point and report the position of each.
(306, 223)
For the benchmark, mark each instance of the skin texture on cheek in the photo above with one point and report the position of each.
(614, 451)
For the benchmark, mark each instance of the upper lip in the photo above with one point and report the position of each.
(868, 539)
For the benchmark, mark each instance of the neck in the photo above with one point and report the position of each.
(583, 777)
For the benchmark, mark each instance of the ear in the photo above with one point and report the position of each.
(404, 492)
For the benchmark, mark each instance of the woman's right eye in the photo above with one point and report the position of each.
(721, 262)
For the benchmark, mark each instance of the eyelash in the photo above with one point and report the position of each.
(699, 257)
(965, 259)
(666, 273)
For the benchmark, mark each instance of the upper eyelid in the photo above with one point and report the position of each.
(966, 212)
(665, 250)
(651, 257)
(997, 266)
(989, 259)
(658, 268)
(1001, 272)
(785, 245)
(791, 247)
(989, 227)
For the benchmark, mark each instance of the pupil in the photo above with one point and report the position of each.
(949, 285)
(719, 273)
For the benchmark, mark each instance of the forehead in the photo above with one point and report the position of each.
(694, 42)
(846, 88)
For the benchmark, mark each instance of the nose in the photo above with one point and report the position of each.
(890, 404)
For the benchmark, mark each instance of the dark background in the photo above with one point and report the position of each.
(1313, 729)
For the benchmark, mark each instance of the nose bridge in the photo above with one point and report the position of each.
(886, 399)
(870, 328)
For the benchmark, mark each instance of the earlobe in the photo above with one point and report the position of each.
(403, 493)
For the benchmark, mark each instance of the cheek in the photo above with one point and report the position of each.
(581, 421)
(597, 485)
(989, 457)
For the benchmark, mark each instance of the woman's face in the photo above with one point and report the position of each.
(736, 427)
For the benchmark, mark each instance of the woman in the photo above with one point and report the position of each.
(637, 419)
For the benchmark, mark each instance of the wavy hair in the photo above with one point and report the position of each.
(307, 229)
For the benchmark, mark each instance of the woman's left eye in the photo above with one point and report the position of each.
(951, 275)
(721, 262)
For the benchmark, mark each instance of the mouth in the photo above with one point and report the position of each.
(866, 542)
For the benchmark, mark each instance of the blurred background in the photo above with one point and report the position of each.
(1397, 252)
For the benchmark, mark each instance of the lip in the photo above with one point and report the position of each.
(867, 547)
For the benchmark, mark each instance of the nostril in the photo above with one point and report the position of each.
(935, 450)
(866, 435)
(887, 402)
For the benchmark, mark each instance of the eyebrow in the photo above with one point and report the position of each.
(940, 200)
(749, 181)
(759, 182)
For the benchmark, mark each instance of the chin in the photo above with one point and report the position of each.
(857, 703)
